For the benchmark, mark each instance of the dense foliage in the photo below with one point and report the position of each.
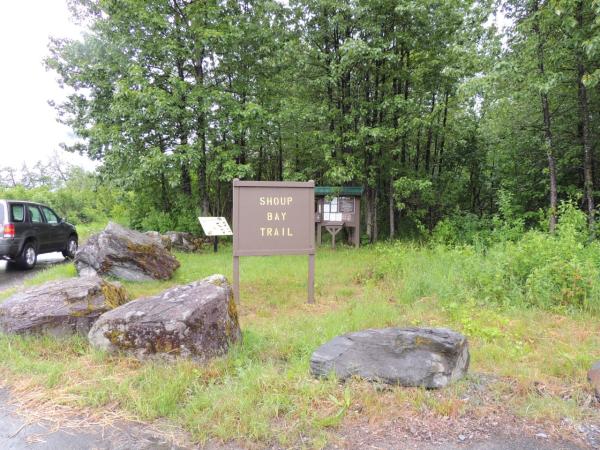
(425, 104)
(76, 195)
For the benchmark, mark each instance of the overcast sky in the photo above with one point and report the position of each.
(28, 128)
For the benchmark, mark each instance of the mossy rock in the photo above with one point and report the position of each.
(60, 307)
(126, 254)
(198, 321)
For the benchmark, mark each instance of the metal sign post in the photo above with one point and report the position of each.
(273, 218)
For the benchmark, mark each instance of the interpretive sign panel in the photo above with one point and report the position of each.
(273, 218)
(215, 226)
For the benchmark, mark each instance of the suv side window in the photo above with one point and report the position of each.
(50, 216)
(35, 216)
(17, 212)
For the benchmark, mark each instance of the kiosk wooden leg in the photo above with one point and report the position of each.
(311, 278)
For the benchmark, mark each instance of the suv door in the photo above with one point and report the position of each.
(40, 227)
(57, 231)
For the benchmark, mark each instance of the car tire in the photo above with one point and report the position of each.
(71, 248)
(28, 256)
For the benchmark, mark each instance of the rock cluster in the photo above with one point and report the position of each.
(60, 307)
(197, 321)
(127, 254)
(428, 357)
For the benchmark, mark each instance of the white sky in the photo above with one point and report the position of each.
(28, 128)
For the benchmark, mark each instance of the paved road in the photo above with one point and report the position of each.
(17, 434)
(11, 276)
(508, 443)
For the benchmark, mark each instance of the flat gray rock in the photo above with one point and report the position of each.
(428, 357)
(198, 321)
(126, 254)
(60, 307)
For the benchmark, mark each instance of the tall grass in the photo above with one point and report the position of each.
(523, 304)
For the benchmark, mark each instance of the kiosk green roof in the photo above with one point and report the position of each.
(346, 191)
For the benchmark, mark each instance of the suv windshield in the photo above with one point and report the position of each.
(50, 216)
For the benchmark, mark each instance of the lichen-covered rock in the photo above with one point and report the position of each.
(184, 242)
(159, 239)
(126, 254)
(198, 321)
(428, 357)
(177, 240)
(60, 307)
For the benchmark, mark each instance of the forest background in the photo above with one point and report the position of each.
(449, 124)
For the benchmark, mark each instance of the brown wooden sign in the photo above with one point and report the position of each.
(273, 218)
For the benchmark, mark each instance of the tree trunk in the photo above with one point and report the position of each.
(406, 91)
(372, 214)
(443, 138)
(418, 151)
(371, 208)
(259, 171)
(588, 183)
(202, 174)
(392, 208)
(429, 134)
(548, 139)
(280, 155)
(584, 113)
(201, 123)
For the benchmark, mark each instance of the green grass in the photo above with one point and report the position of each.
(85, 230)
(262, 390)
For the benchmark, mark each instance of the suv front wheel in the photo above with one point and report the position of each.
(71, 248)
(28, 256)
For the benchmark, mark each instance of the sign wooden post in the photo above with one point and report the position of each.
(273, 218)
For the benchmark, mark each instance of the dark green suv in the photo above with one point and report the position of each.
(29, 229)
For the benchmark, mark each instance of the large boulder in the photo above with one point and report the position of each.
(60, 307)
(197, 321)
(428, 357)
(126, 254)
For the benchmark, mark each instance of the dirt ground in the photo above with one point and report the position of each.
(23, 429)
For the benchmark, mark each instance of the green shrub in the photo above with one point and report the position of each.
(554, 271)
